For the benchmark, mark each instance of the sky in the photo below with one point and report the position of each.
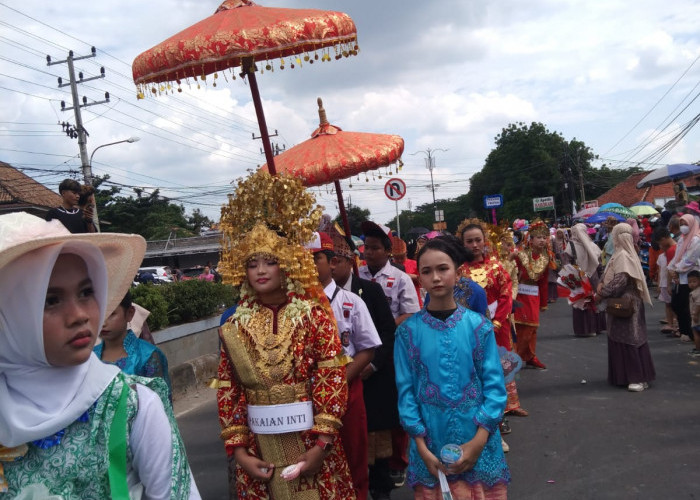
(446, 75)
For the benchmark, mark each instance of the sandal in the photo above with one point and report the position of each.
(667, 329)
(518, 412)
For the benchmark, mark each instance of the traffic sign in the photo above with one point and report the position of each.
(493, 201)
(395, 189)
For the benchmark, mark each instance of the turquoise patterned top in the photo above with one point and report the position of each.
(76, 467)
(143, 359)
(450, 382)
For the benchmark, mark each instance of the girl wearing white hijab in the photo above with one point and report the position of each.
(71, 426)
(629, 358)
(586, 255)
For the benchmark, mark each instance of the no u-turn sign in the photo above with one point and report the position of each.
(395, 189)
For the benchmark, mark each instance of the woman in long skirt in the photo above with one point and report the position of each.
(629, 358)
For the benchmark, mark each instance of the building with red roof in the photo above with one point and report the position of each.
(19, 192)
(626, 192)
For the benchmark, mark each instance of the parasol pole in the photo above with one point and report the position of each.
(344, 217)
(341, 207)
(249, 70)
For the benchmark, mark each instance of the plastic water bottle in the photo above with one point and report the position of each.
(450, 453)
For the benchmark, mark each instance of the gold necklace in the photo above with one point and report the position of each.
(534, 268)
(274, 358)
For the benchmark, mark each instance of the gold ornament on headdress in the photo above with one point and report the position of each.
(466, 222)
(270, 216)
(497, 234)
(538, 228)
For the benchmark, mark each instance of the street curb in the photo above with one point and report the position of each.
(193, 374)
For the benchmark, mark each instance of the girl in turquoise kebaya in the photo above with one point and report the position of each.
(451, 388)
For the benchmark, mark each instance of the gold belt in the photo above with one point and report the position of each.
(277, 394)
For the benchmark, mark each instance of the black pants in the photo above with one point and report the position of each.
(379, 479)
(680, 303)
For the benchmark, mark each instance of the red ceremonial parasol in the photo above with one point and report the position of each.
(241, 33)
(332, 154)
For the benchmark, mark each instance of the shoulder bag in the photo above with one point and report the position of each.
(620, 307)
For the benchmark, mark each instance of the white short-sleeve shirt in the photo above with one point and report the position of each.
(397, 287)
(355, 326)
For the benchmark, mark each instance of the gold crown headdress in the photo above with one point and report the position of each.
(274, 216)
(467, 222)
(497, 234)
(538, 228)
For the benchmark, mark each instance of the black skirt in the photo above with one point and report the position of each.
(628, 364)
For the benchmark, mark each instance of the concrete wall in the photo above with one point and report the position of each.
(182, 343)
(192, 350)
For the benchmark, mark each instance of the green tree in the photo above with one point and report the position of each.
(356, 216)
(198, 221)
(455, 209)
(599, 180)
(148, 214)
(529, 162)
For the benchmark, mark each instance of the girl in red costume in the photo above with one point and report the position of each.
(488, 272)
(533, 264)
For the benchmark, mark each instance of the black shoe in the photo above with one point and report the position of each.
(505, 427)
(398, 477)
(380, 495)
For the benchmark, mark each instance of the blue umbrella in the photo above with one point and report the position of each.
(643, 204)
(617, 209)
(605, 207)
(602, 216)
(669, 173)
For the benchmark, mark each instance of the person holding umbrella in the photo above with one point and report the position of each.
(403, 302)
(680, 191)
(381, 398)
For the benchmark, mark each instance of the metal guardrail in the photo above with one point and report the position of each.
(180, 246)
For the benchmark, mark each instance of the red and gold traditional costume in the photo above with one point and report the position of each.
(532, 293)
(495, 280)
(272, 360)
(283, 355)
(493, 276)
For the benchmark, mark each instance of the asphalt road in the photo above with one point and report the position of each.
(583, 439)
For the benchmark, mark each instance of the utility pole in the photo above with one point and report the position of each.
(430, 165)
(73, 83)
(275, 148)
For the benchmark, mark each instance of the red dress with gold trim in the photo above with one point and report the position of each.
(495, 280)
(533, 270)
(287, 361)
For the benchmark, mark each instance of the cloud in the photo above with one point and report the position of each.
(446, 74)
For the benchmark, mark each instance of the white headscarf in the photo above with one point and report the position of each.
(587, 252)
(37, 399)
(625, 260)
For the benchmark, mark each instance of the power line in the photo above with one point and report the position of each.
(654, 106)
